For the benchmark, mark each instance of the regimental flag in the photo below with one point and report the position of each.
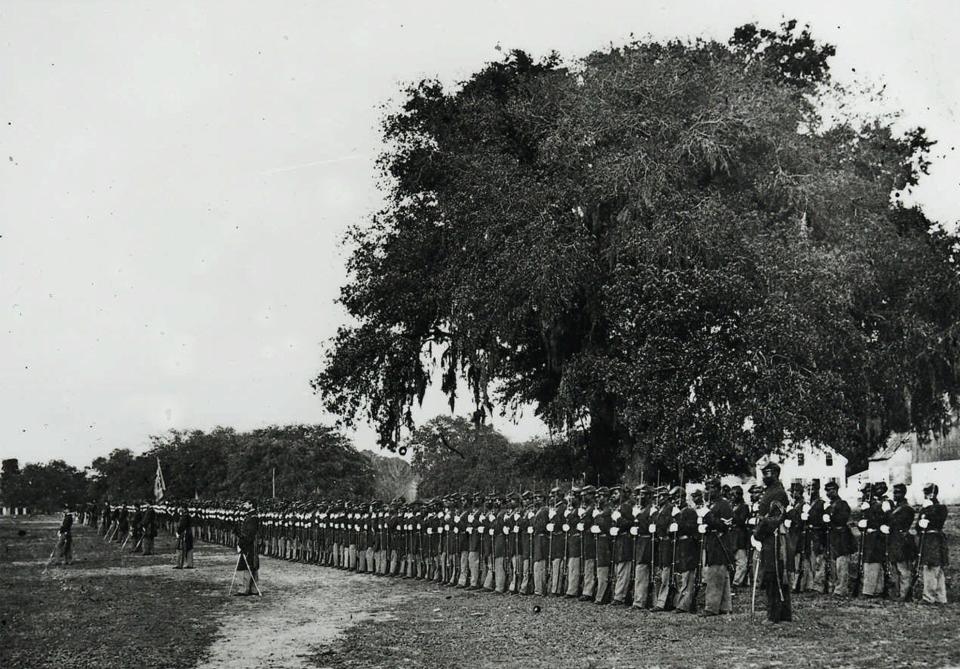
(159, 487)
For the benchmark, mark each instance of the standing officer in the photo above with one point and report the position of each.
(933, 545)
(772, 550)
(184, 540)
(248, 563)
(64, 548)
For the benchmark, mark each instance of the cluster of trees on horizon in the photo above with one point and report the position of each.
(683, 252)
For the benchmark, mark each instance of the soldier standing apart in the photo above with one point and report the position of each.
(149, 529)
(184, 540)
(933, 545)
(772, 549)
(836, 516)
(902, 552)
(65, 538)
(249, 562)
(716, 524)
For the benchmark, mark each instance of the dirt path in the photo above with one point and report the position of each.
(303, 607)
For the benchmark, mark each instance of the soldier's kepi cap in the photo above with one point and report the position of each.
(900, 487)
(831, 485)
(756, 487)
(588, 490)
(771, 467)
(880, 487)
(931, 488)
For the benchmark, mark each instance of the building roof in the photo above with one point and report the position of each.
(895, 442)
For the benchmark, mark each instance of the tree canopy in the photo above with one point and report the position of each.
(666, 244)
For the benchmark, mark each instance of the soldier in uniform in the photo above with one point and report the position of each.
(540, 540)
(715, 526)
(665, 549)
(621, 521)
(687, 552)
(184, 540)
(875, 524)
(248, 563)
(836, 516)
(556, 544)
(64, 549)
(644, 532)
(773, 555)
(901, 549)
(149, 529)
(933, 545)
(600, 529)
(795, 525)
(573, 541)
(588, 547)
(740, 536)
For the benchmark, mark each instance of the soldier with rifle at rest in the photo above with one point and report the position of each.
(556, 543)
(588, 545)
(540, 546)
(663, 599)
(817, 548)
(859, 517)
(901, 549)
(573, 541)
(876, 529)
(502, 536)
(773, 558)
(621, 517)
(933, 545)
(836, 516)
(512, 520)
(740, 536)
(715, 528)
(796, 538)
(644, 532)
(686, 549)
(600, 529)
(756, 491)
(473, 522)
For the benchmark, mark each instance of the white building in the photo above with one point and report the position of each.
(805, 462)
(903, 459)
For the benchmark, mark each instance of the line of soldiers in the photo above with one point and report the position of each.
(646, 547)
(135, 524)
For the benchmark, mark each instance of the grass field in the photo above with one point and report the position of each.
(110, 611)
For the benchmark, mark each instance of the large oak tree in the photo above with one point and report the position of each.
(666, 243)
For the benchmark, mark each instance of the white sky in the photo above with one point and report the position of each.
(176, 178)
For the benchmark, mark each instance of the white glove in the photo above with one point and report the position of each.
(549, 527)
(634, 531)
(614, 531)
(886, 506)
(491, 532)
(805, 509)
(673, 527)
(927, 502)
(516, 529)
(923, 523)
(429, 531)
(652, 528)
(491, 517)
(862, 524)
(885, 529)
(756, 544)
(702, 511)
(787, 523)
(675, 511)
(752, 521)
(529, 530)
(579, 527)
(804, 516)
(826, 517)
(456, 530)
(594, 529)
(480, 529)
(702, 529)
(446, 527)
(566, 528)
(470, 518)
(615, 515)
(506, 530)
(864, 506)
(469, 530)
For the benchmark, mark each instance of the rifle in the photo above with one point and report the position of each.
(803, 542)
(857, 586)
(698, 578)
(915, 577)
(828, 565)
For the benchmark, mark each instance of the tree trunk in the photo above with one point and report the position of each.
(603, 446)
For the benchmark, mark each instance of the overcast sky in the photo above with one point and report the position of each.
(176, 178)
